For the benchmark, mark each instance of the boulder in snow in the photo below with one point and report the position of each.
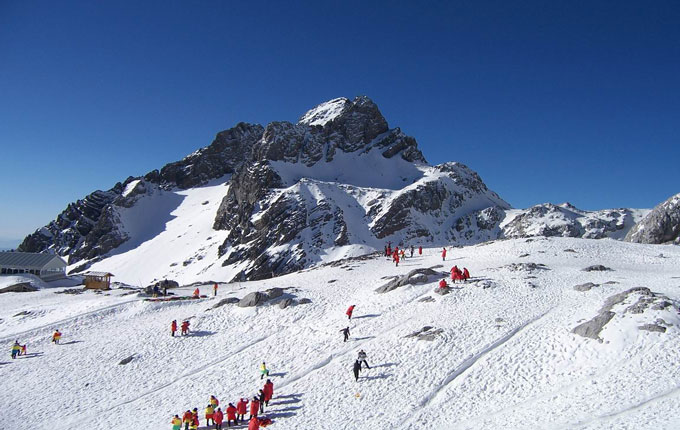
(585, 287)
(253, 299)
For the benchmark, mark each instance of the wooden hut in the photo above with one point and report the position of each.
(98, 280)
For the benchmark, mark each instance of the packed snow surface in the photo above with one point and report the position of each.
(505, 358)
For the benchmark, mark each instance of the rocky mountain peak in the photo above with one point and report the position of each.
(661, 225)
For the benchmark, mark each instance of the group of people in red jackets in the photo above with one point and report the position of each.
(456, 275)
(236, 413)
(399, 254)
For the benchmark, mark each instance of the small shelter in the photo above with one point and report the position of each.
(48, 267)
(98, 280)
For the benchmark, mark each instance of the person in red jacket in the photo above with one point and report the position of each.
(443, 284)
(466, 274)
(241, 408)
(187, 417)
(349, 312)
(420, 250)
(173, 327)
(218, 417)
(215, 289)
(396, 259)
(443, 254)
(197, 293)
(185, 327)
(231, 415)
(268, 391)
(254, 423)
(456, 274)
(254, 407)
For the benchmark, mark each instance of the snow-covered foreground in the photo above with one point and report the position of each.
(506, 358)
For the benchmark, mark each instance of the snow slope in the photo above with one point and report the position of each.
(506, 357)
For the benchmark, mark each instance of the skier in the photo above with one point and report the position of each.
(197, 293)
(362, 358)
(442, 283)
(466, 274)
(56, 336)
(349, 312)
(16, 349)
(209, 412)
(345, 331)
(218, 417)
(173, 327)
(254, 407)
(185, 328)
(420, 250)
(215, 289)
(176, 423)
(443, 254)
(268, 391)
(260, 397)
(231, 415)
(187, 417)
(263, 370)
(241, 408)
(356, 369)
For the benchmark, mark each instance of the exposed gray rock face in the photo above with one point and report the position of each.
(526, 267)
(126, 360)
(597, 268)
(565, 220)
(644, 301)
(585, 287)
(427, 333)
(442, 291)
(227, 301)
(283, 304)
(413, 277)
(253, 299)
(661, 225)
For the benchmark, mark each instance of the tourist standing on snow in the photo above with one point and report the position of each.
(16, 349)
(411, 250)
(194, 420)
(466, 274)
(197, 293)
(231, 415)
(443, 284)
(218, 417)
(349, 312)
(254, 407)
(268, 391)
(241, 408)
(187, 418)
(403, 254)
(443, 254)
(356, 369)
(173, 327)
(362, 358)
(209, 412)
(420, 250)
(263, 370)
(396, 258)
(176, 423)
(56, 337)
(215, 289)
(214, 402)
(345, 331)
(260, 397)
(185, 327)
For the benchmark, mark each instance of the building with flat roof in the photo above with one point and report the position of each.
(46, 266)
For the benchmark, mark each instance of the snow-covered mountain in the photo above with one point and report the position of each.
(264, 201)
(661, 225)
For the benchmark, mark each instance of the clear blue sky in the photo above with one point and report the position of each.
(573, 101)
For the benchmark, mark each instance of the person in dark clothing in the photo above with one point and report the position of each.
(356, 369)
(261, 397)
(362, 359)
(411, 250)
(345, 331)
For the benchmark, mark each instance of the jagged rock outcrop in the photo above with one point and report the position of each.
(661, 225)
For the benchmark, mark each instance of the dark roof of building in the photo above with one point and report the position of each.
(29, 260)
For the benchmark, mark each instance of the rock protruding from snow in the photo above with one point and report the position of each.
(252, 299)
(597, 268)
(661, 225)
(22, 287)
(427, 333)
(416, 276)
(585, 287)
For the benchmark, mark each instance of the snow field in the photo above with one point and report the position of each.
(524, 371)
